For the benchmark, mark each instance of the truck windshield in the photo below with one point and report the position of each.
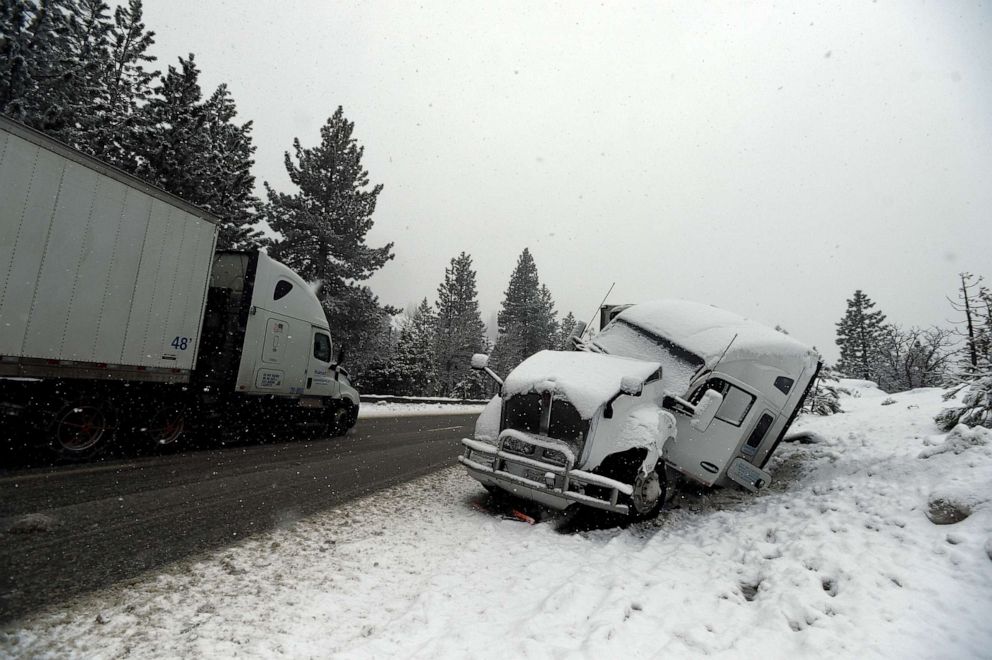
(628, 340)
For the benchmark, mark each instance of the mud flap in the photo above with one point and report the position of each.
(747, 475)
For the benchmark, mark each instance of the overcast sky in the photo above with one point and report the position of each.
(765, 159)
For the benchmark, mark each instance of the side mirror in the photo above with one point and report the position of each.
(480, 362)
(706, 410)
(631, 385)
(577, 331)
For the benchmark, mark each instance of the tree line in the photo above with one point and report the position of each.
(958, 356)
(433, 344)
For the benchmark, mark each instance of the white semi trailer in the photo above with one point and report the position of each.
(117, 316)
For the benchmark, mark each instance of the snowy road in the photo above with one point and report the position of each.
(838, 558)
(65, 531)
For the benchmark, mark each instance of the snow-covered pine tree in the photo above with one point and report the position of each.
(323, 226)
(859, 336)
(31, 46)
(527, 322)
(824, 396)
(192, 148)
(415, 358)
(51, 57)
(975, 374)
(564, 330)
(975, 408)
(229, 160)
(126, 86)
(460, 331)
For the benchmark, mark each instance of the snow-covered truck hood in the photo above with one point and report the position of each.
(587, 380)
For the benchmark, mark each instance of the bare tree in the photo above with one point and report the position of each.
(914, 357)
(971, 297)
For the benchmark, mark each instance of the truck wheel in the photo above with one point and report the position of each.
(339, 420)
(648, 495)
(82, 429)
(649, 489)
(166, 426)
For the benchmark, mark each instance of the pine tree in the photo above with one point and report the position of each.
(126, 86)
(824, 396)
(323, 226)
(460, 331)
(565, 331)
(51, 57)
(859, 336)
(527, 322)
(192, 149)
(415, 360)
(975, 330)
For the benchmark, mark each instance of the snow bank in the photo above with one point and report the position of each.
(392, 409)
(587, 380)
(837, 558)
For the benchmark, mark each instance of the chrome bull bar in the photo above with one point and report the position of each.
(492, 462)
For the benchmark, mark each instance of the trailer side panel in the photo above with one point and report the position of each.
(95, 267)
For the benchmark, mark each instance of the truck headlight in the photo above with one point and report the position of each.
(517, 446)
(555, 457)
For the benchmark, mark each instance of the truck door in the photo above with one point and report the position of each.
(283, 359)
(321, 376)
(705, 454)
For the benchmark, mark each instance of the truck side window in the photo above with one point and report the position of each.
(784, 384)
(282, 288)
(322, 347)
(736, 402)
(758, 434)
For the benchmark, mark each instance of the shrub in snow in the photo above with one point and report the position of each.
(959, 440)
(976, 408)
(824, 398)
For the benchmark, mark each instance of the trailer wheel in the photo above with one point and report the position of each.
(166, 426)
(82, 429)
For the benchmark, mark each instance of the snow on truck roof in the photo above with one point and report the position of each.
(706, 331)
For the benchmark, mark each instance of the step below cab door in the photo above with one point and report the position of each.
(321, 376)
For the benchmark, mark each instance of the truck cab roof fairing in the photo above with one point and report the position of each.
(300, 302)
(706, 331)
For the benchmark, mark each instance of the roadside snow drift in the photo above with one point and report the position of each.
(874, 540)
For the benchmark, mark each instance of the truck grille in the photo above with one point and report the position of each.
(523, 413)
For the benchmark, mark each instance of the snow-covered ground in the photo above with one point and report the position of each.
(372, 408)
(837, 558)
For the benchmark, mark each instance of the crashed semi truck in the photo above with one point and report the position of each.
(666, 392)
(118, 318)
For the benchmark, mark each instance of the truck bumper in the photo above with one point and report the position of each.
(550, 484)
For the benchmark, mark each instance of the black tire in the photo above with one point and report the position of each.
(82, 429)
(650, 491)
(343, 417)
(654, 483)
(165, 427)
